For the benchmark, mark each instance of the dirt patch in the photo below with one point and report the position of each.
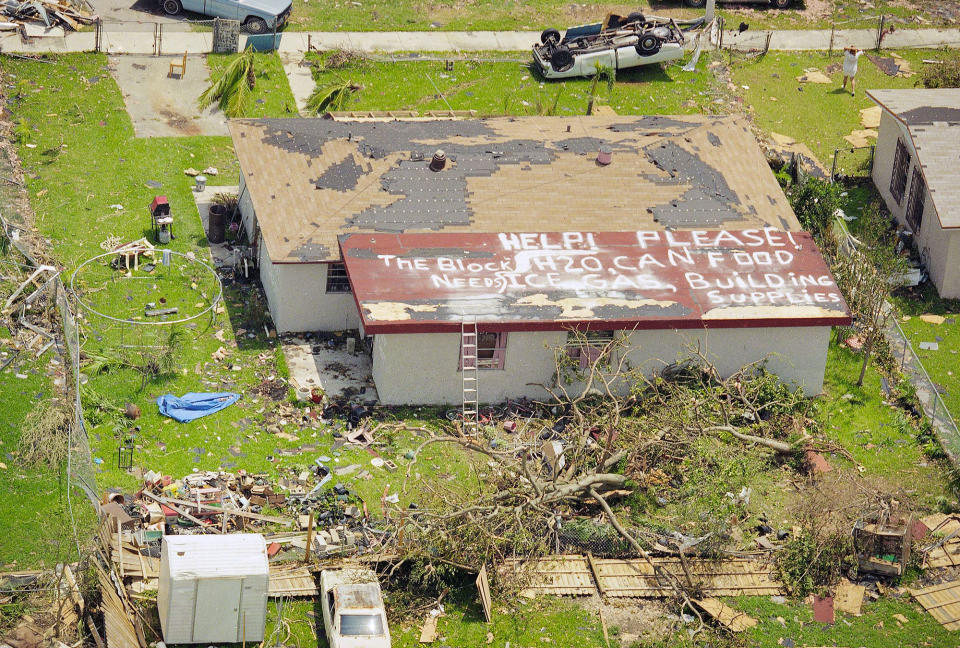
(181, 124)
(631, 620)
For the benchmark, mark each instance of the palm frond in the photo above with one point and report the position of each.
(230, 88)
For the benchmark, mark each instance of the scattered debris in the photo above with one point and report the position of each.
(932, 319)
(942, 602)
(882, 542)
(849, 597)
(733, 620)
(823, 609)
(813, 75)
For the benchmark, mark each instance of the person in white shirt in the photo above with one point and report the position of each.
(850, 57)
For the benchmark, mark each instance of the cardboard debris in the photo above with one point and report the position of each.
(849, 597)
(933, 319)
(870, 117)
(733, 620)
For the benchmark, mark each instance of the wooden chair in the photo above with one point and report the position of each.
(182, 67)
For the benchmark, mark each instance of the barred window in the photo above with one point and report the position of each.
(898, 179)
(918, 190)
(587, 347)
(337, 281)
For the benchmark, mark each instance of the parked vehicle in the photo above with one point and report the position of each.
(353, 612)
(776, 4)
(256, 16)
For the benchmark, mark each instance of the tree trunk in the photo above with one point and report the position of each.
(867, 350)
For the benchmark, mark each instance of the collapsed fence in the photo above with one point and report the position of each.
(79, 468)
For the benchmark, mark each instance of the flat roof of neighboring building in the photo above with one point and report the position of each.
(932, 118)
(311, 180)
(409, 283)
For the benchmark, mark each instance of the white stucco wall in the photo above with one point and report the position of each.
(296, 293)
(412, 369)
(939, 248)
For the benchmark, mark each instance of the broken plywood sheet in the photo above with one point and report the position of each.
(733, 620)
(782, 140)
(860, 138)
(870, 117)
(428, 634)
(291, 581)
(945, 555)
(849, 597)
(558, 575)
(813, 75)
(942, 602)
(634, 578)
(932, 319)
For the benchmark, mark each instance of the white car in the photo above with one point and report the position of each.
(353, 612)
(617, 42)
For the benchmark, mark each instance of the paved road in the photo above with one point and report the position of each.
(131, 11)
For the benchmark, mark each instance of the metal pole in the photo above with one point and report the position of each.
(833, 29)
(880, 31)
(833, 168)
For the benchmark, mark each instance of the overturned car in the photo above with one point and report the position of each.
(618, 42)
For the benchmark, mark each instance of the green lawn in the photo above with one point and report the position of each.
(818, 115)
(271, 92)
(498, 88)
(535, 15)
(875, 627)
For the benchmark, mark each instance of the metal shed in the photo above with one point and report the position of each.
(213, 588)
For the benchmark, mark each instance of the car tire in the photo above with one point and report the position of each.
(636, 16)
(550, 35)
(695, 4)
(648, 45)
(171, 7)
(561, 59)
(781, 4)
(255, 26)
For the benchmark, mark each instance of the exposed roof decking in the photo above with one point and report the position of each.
(614, 280)
(311, 180)
(932, 117)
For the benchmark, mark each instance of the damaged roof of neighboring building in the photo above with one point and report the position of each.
(932, 119)
(407, 283)
(311, 180)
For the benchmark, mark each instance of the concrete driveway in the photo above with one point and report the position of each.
(133, 11)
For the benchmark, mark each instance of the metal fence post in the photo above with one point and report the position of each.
(833, 167)
(880, 31)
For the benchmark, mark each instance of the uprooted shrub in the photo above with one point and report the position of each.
(813, 561)
(43, 441)
(945, 74)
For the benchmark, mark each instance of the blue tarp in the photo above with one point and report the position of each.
(194, 405)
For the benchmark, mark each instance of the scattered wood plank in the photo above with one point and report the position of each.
(286, 581)
(849, 597)
(733, 620)
(428, 634)
(942, 602)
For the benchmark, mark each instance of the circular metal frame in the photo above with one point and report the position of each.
(209, 309)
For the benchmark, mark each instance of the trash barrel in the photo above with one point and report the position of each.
(217, 224)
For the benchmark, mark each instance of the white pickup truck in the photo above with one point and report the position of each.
(353, 612)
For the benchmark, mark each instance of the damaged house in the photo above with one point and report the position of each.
(915, 170)
(480, 244)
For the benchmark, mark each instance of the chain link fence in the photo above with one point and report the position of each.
(942, 421)
(216, 35)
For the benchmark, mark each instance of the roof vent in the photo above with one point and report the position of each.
(605, 156)
(439, 161)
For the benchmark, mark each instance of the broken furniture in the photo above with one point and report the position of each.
(162, 220)
(882, 543)
(129, 254)
(179, 69)
(213, 589)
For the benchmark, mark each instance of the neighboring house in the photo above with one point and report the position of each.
(916, 169)
(528, 227)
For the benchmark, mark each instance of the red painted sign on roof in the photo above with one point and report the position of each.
(601, 280)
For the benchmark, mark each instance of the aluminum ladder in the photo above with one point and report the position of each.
(470, 377)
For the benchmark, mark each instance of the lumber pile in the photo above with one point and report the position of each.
(69, 14)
